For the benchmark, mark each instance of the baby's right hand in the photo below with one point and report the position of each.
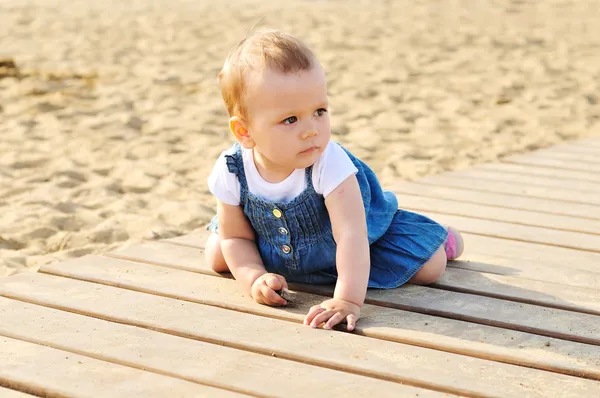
(264, 289)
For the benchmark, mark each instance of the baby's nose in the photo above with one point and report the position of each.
(311, 132)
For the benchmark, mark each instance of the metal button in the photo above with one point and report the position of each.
(286, 249)
(283, 231)
(277, 213)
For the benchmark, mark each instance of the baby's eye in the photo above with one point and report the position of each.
(290, 120)
(320, 111)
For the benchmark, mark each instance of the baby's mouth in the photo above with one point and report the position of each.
(310, 150)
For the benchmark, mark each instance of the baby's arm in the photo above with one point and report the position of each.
(348, 221)
(239, 249)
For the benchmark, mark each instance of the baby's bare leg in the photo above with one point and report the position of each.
(214, 255)
(432, 270)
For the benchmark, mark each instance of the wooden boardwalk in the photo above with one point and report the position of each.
(519, 316)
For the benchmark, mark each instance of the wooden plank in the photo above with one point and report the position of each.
(476, 175)
(187, 359)
(6, 393)
(512, 288)
(486, 311)
(472, 376)
(184, 257)
(563, 195)
(509, 287)
(524, 233)
(499, 200)
(589, 142)
(523, 255)
(569, 156)
(195, 239)
(46, 371)
(520, 260)
(554, 163)
(567, 277)
(388, 324)
(506, 230)
(574, 147)
(450, 304)
(188, 251)
(418, 203)
(483, 249)
(524, 260)
(594, 140)
(558, 174)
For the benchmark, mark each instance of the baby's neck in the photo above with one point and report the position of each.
(269, 171)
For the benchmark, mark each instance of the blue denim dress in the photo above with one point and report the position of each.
(295, 238)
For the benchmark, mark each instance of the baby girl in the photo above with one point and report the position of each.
(294, 206)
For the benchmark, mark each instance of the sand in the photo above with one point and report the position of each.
(110, 117)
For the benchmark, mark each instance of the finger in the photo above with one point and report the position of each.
(271, 297)
(258, 295)
(351, 321)
(275, 283)
(281, 279)
(334, 320)
(314, 311)
(322, 317)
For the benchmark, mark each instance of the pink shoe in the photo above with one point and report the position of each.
(454, 245)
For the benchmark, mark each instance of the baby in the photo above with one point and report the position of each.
(294, 206)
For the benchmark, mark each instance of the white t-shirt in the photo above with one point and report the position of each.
(329, 171)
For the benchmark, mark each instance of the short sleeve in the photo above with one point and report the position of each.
(333, 168)
(223, 184)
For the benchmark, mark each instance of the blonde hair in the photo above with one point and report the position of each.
(269, 49)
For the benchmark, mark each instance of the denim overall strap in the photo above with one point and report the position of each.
(235, 165)
(308, 177)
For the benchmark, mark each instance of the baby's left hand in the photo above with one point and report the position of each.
(333, 311)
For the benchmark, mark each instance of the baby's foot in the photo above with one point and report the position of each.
(454, 245)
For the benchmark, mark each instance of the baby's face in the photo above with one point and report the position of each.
(288, 116)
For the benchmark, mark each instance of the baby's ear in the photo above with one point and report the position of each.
(237, 125)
